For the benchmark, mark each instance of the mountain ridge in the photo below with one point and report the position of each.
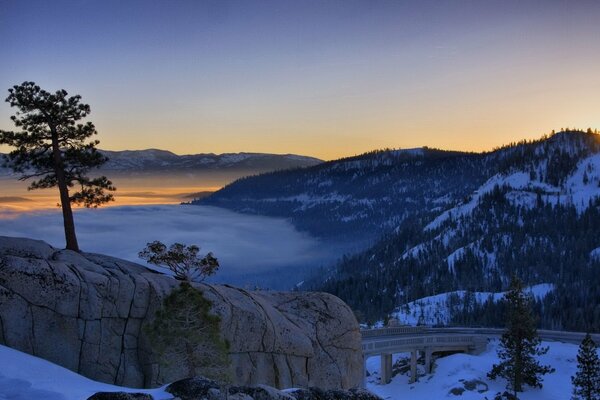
(444, 221)
(538, 217)
(157, 159)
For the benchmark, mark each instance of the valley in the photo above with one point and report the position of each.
(428, 222)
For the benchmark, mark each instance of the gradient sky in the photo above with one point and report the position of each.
(322, 78)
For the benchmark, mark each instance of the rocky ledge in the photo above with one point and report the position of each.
(86, 311)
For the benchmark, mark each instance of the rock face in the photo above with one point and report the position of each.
(85, 312)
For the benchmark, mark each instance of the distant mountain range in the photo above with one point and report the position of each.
(161, 160)
(153, 160)
(441, 221)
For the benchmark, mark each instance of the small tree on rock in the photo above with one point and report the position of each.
(184, 334)
(520, 344)
(182, 260)
(586, 382)
(54, 148)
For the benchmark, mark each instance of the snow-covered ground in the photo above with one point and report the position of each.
(24, 377)
(436, 310)
(463, 376)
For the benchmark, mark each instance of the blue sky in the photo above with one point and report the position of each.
(324, 78)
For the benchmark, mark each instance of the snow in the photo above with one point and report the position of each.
(234, 157)
(595, 254)
(581, 193)
(414, 251)
(25, 377)
(455, 256)
(436, 310)
(454, 371)
(518, 181)
(576, 191)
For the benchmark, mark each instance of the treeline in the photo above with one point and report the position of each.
(539, 239)
(358, 199)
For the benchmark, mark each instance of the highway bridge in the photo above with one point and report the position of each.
(385, 342)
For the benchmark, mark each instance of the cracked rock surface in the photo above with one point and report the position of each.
(85, 312)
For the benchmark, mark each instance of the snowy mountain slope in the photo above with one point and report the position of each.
(439, 309)
(357, 199)
(536, 215)
(372, 194)
(579, 189)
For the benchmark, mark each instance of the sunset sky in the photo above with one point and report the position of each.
(321, 78)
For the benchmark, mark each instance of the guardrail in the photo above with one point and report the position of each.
(398, 344)
(550, 335)
(396, 330)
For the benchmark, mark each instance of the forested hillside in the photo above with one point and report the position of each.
(538, 218)
(356, 199)
(444, 221)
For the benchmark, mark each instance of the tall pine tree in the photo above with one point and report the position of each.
(520, 344)
(586, 382)
(53, 147)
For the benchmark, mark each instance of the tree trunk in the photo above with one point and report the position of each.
(63, 189)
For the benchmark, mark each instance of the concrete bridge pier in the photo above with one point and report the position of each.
(428, 353)
(386, 368)
(413, 366)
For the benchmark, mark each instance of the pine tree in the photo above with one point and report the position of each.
(520, 344)
(586, 382)
(182, 260)
(53, 148)
(185, 335)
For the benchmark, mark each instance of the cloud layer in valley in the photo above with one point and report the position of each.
(245, 245)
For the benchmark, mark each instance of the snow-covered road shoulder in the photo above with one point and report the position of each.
(463, 376)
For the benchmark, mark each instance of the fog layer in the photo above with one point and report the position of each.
(252, 250)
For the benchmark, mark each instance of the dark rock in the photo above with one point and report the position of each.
(193, 388)
(314, 393)
(260, 392)
(120, 396)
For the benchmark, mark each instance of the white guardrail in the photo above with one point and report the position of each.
(373, 335)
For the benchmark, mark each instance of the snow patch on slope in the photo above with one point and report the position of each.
(437, 309)
(581, 187)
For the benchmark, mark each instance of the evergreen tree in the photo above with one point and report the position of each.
(586, 382)
(182, 260)
(184, 334)
(520, 344)
(53, 148)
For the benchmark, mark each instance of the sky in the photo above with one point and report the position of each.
(321, 78)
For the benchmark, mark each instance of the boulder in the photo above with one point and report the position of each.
(199, 388)
(194, 388)
(333, 394)
(86, 312)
